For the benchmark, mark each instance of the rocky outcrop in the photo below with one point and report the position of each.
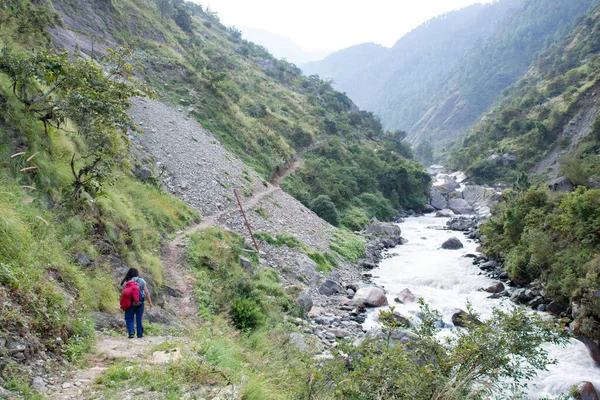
(370, 296)
(460, 206)
(437, 200)
(305, 301)
(380, 236)
(562, 184)
(105, 321)
(384, 229)
(480, 199)
(592, 347)
(331, 287)
(452, 244)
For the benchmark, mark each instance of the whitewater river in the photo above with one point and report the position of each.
(447, 280)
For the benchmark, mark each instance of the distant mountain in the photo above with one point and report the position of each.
(546, 123)
(479, 78)
(438, 80)
(280, 46)
(398, 83)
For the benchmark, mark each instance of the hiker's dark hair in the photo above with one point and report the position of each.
(132, 273)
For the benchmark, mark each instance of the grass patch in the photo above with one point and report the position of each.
(279, 240)
(348, 245)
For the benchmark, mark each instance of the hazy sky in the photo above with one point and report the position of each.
(328, 25)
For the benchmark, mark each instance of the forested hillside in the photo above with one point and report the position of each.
(263, 109)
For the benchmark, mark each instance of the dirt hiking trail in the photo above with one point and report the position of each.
(79, 384)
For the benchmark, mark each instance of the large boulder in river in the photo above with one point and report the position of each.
(370, 296)
(452, 244)
(496, 288)
(591, 345)
(587, 391)
(438, 200)
(460, 206)
(462, 319)
(384, 229)
(405, 296)
(461, 224)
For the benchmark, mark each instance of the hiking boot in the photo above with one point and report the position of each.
(131, 336)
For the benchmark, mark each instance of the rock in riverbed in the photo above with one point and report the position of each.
(452, 244)
(370, 296)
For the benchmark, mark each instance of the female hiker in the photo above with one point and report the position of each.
(132, 301)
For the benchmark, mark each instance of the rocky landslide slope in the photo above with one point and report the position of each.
(191, 163)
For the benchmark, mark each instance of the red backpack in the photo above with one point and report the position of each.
(130, 297)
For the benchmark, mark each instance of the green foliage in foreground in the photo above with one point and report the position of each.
(262, 365)
(252, 298)
(553, 238)
(489, 360)
(483, 361)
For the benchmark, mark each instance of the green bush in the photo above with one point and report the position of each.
(326, 209)
(552, 238)
(247, 314)
(325, 261)
(355, 218)
(375, 205)
(280, 239)
(472, 363)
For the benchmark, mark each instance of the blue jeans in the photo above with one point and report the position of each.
(137, 313)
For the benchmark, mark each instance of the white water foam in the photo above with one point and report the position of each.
(446, 280)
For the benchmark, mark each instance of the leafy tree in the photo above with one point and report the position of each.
(183, 15)
(165, 7)
(478, 362)
(424, 152)
(324, 208)
(395, 141)
(58, 90)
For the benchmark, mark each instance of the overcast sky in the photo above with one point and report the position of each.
(329, 25)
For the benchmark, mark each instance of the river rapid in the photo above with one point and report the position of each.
(446, 280)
